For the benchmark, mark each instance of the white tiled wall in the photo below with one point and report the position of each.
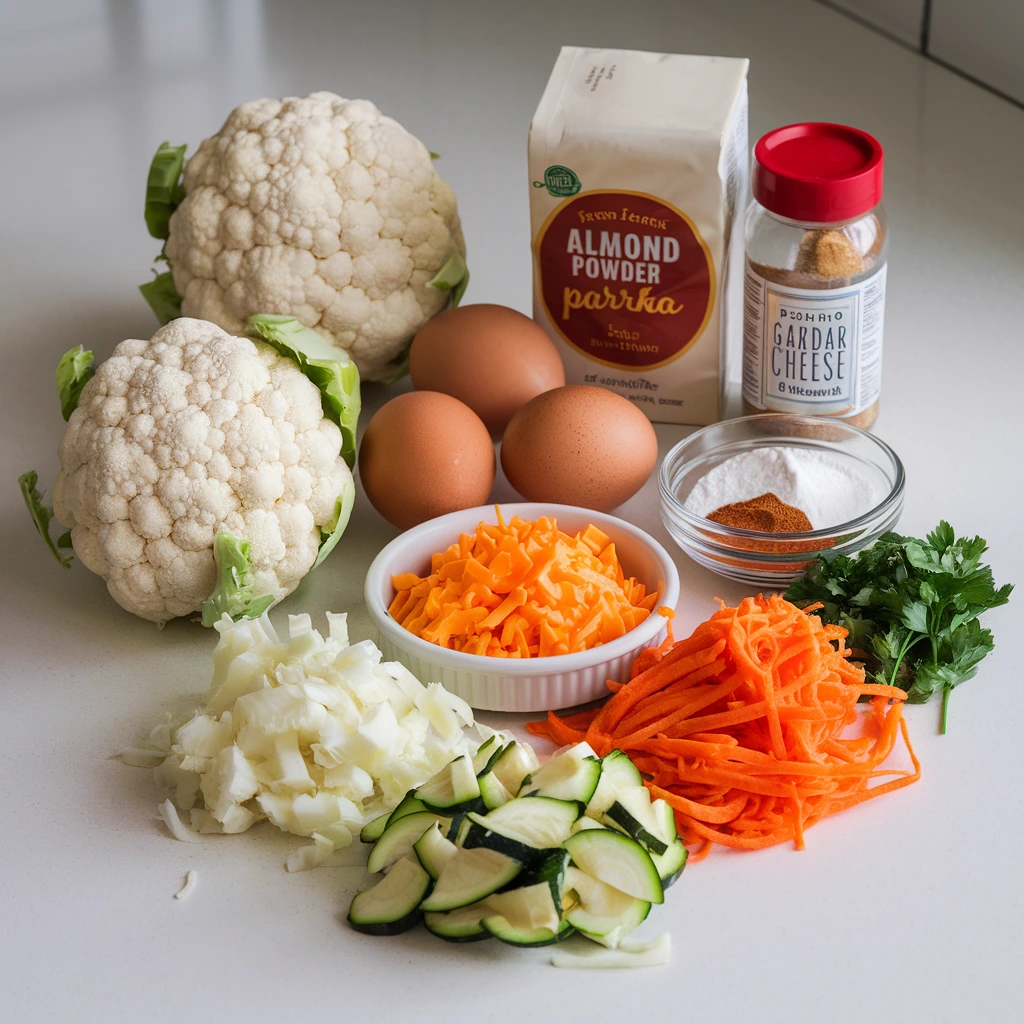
(900, 18)
(984, 38)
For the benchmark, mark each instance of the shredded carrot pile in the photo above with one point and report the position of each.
(522, 590)
(750, 728)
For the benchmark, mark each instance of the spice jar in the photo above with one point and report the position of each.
(814, 294)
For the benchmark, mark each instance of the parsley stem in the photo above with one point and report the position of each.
(907, 644)
(946, 691)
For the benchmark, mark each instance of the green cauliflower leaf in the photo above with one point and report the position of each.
(74, 371)
(42, 515)
(329, 368)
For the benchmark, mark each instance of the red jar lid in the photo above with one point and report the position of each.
(818, 171)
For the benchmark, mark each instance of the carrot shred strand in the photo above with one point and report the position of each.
(751, 728)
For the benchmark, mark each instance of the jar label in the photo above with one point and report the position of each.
(625, 278)
(813, 351)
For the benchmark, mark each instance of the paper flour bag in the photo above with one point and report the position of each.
(638, 171)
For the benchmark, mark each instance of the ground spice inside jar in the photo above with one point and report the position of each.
(766, 513)
(815, 274)
(828, 255)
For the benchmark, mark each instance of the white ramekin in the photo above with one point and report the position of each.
(514, 684)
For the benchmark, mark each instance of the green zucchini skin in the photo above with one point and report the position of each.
(514, 764)
(454, 788)
(618, 773)
(602, 913)
(462, 925)
(493, 749)
(634, 829)
(479, 837)
(398, 839)
(459, 827)
(373, 830)
(551, 780)
(618, 861)
(492, 793)
(490, 872)
(574, 817)
(369, 912)
(550, 870)
(434, 851)
(403, 924)
(670, 864)
(530, 938)
(502, 829)
(476, 936)
(408, 805)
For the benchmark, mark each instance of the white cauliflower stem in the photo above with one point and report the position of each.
(320, 208)
(186, 435)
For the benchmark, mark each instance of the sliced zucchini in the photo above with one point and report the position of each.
(492, 791)
(392, 905)
(665, 821)
(618, 775)
(517, 760)
(408, 805)
(602, 913)
(584, 822)
(470, 876)
(480, 837)
(571, 775)
(534, 899)
(373, 830)
(487, 753)
(459, 829)
(433, 850)
(398, 840)
(633, 812)
(523, 827)
(462, 925)
(501, 929)
(618, 861)
(527, 908)
(454, 786)
(671, 863)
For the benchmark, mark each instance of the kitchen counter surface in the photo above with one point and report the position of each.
(907, 909)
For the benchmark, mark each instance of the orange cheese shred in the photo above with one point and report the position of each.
(522, 589)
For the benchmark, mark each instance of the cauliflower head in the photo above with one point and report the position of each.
(189, 434)
(320, 208)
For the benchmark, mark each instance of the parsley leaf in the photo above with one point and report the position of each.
(911, 608)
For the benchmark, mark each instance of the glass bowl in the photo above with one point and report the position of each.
(775, 559)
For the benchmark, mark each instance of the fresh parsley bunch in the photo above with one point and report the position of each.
(911, 608)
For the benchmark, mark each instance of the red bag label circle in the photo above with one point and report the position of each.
(625, 278)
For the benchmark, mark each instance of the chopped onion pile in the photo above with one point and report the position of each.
(315, 734)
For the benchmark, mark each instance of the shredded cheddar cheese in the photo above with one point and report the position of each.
(522, 590)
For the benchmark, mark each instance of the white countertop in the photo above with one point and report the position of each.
(906, 909)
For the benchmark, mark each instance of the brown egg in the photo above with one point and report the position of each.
(490, 357)
(425, 454)
(579, 445)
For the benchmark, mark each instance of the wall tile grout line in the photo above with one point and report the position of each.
(922, 48)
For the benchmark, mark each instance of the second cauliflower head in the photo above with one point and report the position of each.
(320, 208)
(189, 434)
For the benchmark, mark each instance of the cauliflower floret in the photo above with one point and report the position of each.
(185, 435)
(319, 208)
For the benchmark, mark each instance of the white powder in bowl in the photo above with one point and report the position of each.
(827, 489)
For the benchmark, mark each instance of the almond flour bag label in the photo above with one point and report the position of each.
(637, 163)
